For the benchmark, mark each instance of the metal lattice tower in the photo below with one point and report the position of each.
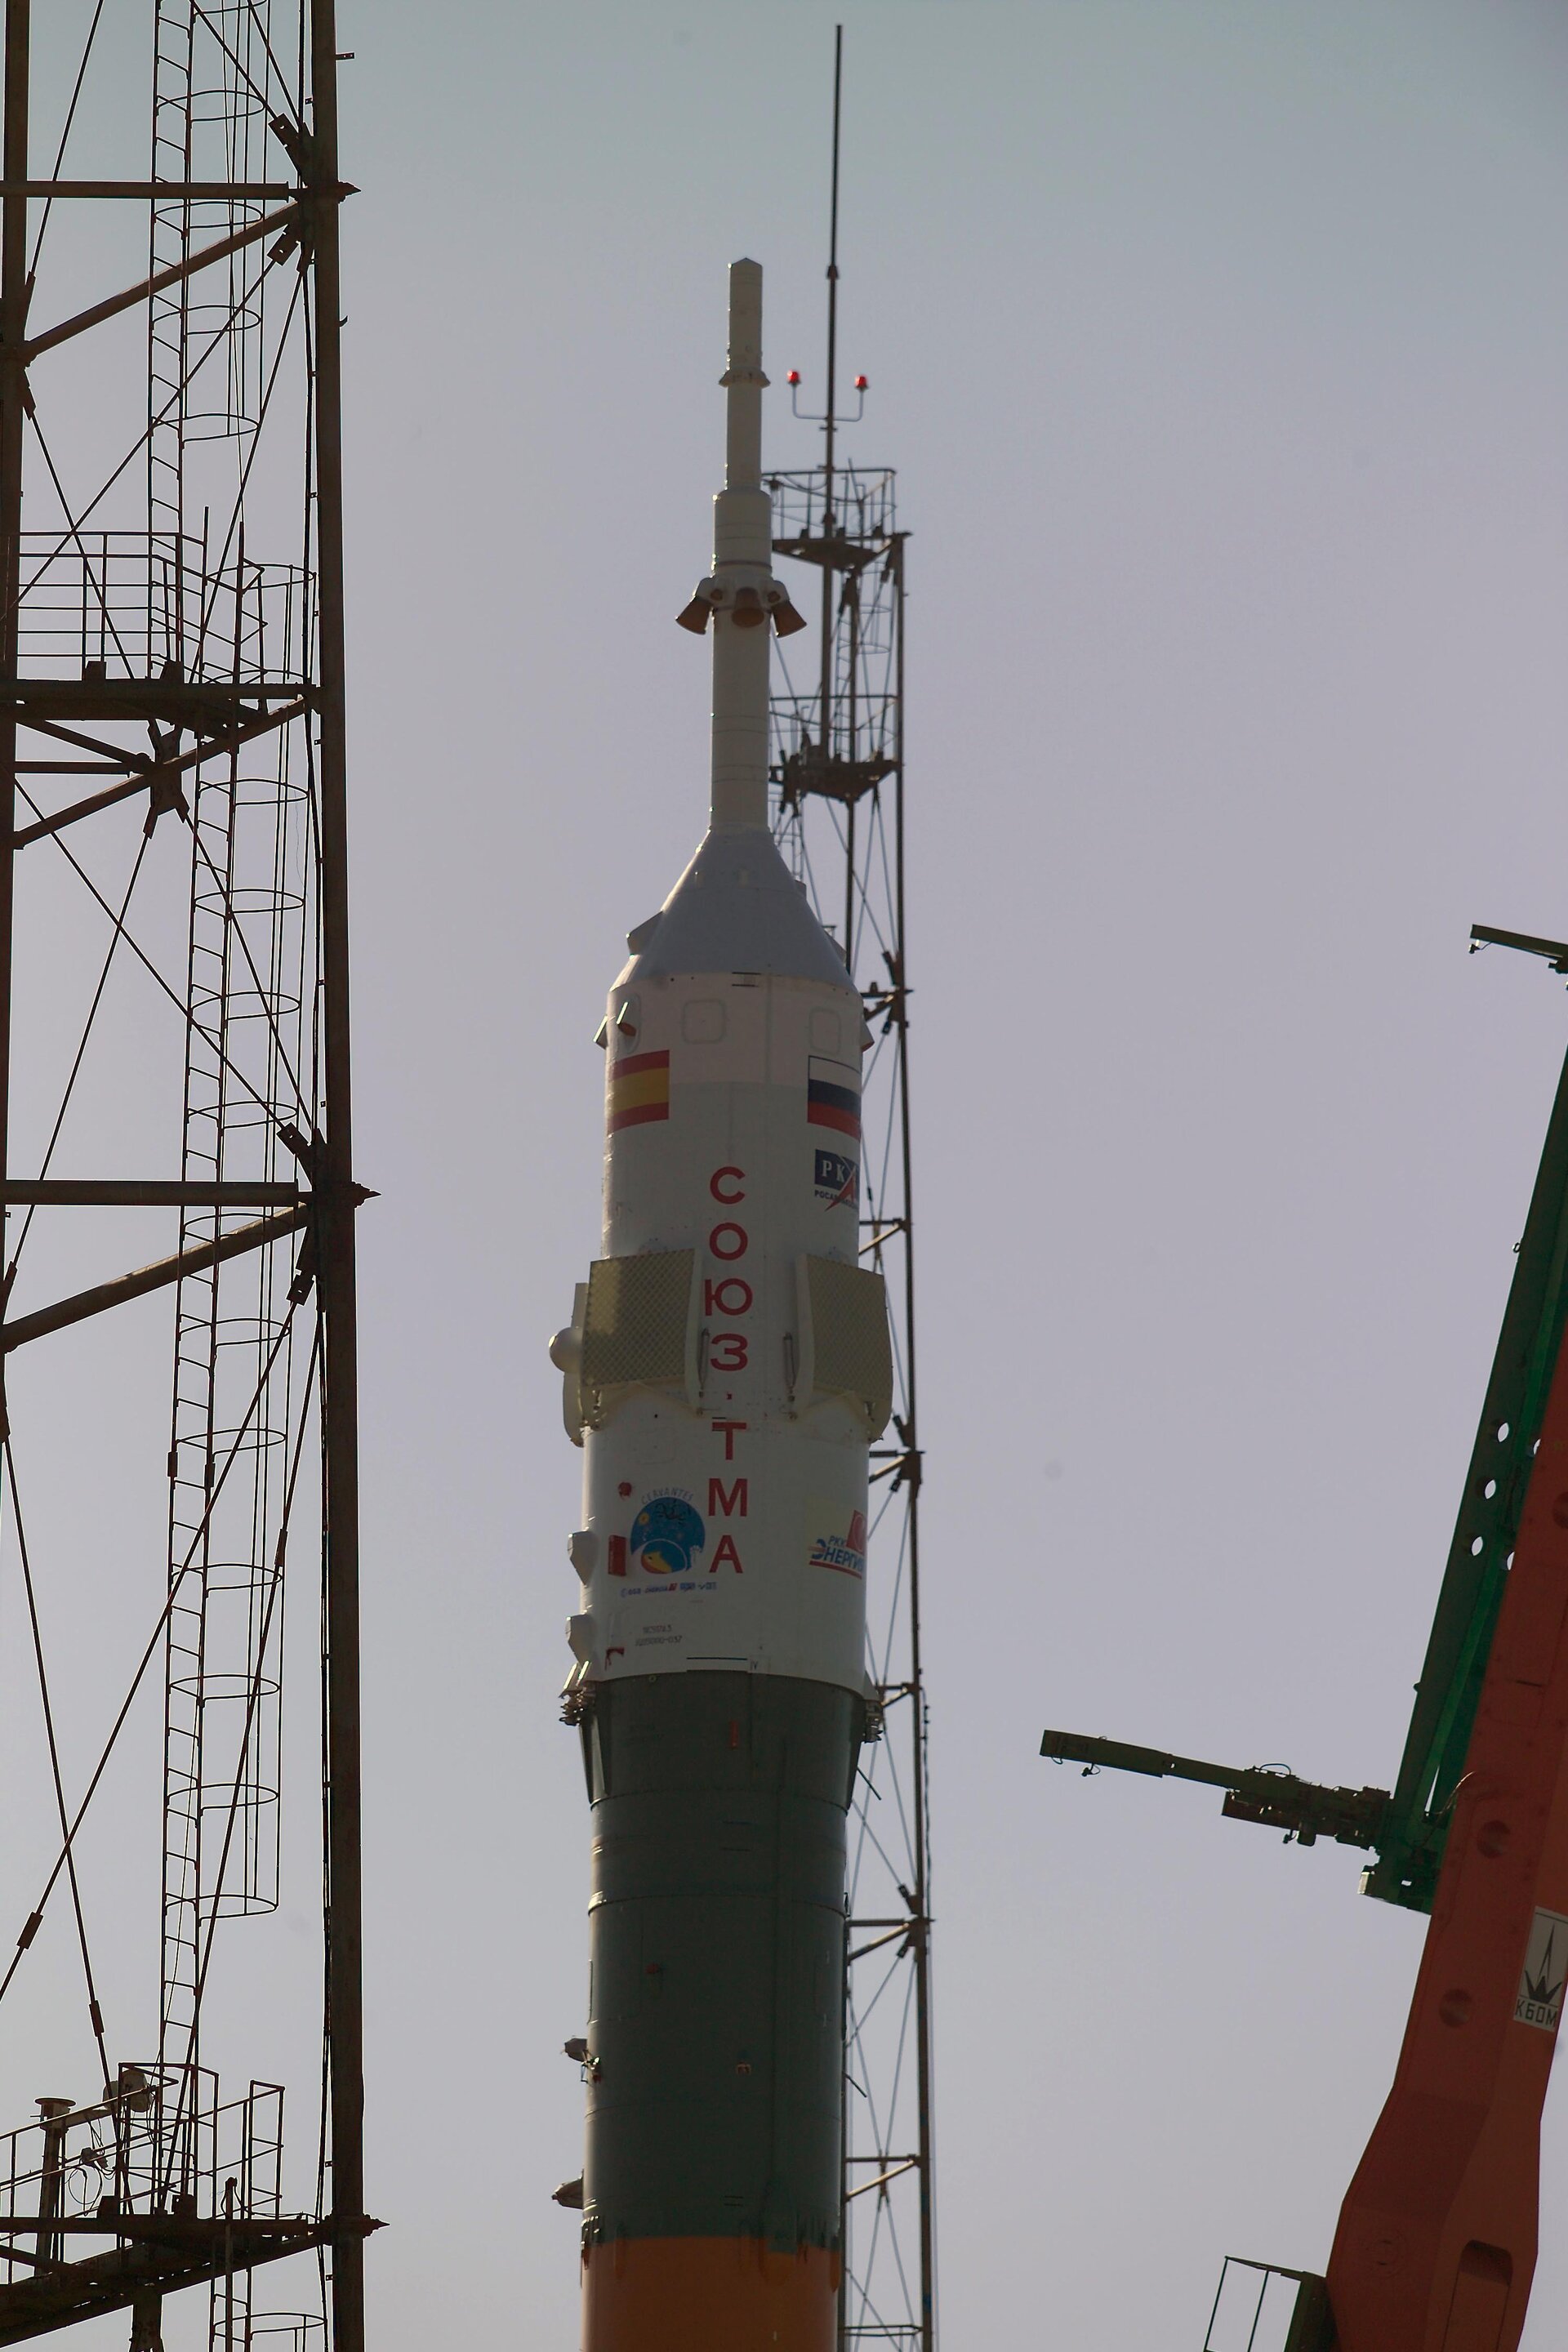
(172, 697)
(839, 817)
(839, 814)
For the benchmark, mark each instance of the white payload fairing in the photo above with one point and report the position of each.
(727, 1367)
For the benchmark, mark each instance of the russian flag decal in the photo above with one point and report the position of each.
(832, 1096)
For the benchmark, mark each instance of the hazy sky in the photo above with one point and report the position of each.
(1222, 350)
(1223, 355)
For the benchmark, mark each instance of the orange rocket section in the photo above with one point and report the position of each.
(1436, 2240)
(667, 2294)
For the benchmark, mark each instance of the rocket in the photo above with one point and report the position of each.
(727, 1367)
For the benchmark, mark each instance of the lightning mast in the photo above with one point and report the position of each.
(838, 812)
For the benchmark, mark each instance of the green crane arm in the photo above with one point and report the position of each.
(1410, 1849)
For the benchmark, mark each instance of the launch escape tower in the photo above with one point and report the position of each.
(837, 802)
(171, 742)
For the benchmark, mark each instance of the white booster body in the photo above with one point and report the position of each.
(728, 1365)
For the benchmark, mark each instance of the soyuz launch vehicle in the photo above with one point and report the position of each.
(727, 1366)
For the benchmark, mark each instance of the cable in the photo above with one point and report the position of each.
(175, 999)
(65, 132)
(118, 932)
(95, 2014)
(157, 1634)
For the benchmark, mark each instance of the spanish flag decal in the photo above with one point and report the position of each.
(638, 1090)
(832, 1096)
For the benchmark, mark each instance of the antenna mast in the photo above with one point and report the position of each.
(838, 809)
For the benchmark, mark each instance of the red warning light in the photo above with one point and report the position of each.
(794, 377)
(862, 384)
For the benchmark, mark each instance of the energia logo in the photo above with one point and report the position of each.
(666, 1535)
(1540, 2000)
(845, 1550)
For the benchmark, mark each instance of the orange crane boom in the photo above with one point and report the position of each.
(1437, 2239)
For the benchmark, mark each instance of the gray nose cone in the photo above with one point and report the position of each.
(737, 908)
